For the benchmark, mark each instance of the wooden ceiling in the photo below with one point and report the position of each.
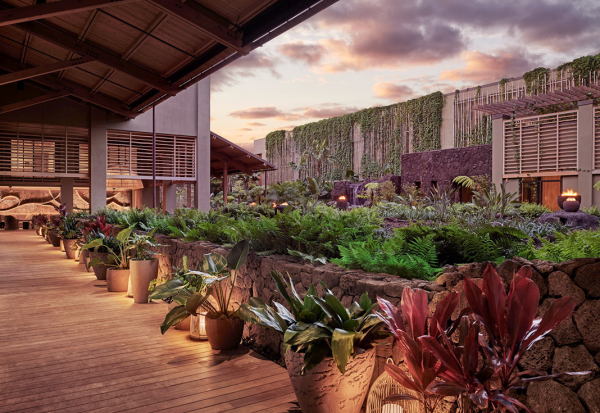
(127, 55)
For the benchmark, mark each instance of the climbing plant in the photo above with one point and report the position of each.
(380, 134)
(579, 70)
(535, 79)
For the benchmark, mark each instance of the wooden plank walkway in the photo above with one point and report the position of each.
(68, 345)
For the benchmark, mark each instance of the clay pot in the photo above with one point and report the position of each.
(69, 243)
(83, 256)
(117, 280)
(142, 272)
(571, 206)
(54, 238)
(44, 232)
(324, 389)
(224, 334)
(185, 324)
(62, 245)
(99, 270)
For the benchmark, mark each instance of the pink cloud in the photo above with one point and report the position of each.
(393, 91)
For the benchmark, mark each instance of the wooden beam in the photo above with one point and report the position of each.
(71, 88)
(60, 38)
(205, 24)
(32, 102)
(42, 70)
(56, 8)
(225, 182)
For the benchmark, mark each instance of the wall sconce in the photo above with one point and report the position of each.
(198, 327)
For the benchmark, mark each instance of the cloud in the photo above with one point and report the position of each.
(393, 91)
(247, 66)
(288, 127)
(257, 113)
(255, 124)
(368, 34)
(325, 110)
(310, 54)
(482, 67)
(328, 112)
(244, 129)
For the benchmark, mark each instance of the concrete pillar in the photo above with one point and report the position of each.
(585, 151)
(202, 185)
(169, 197)
(98, 126)
(66, 192)
(148, 194)
(497, 148)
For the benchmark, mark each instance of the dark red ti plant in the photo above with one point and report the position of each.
(97, 228)
(422, 365)
(510, 323)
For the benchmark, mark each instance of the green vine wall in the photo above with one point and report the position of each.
(370, 141)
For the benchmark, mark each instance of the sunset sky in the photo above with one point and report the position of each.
(362, 53)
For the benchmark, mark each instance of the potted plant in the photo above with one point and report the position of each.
(224, 326)
(117, 262)
(54, 227)
(320, 336)
(176, 291)
(98, 229)
(144, 267)
(69, 232)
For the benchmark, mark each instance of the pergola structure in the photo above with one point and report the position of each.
(526, 105)
(105, 67)
(227, 157)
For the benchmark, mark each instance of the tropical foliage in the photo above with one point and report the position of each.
(317, 327)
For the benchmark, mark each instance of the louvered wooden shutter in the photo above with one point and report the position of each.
(540, 144)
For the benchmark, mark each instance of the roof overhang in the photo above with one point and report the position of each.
(227, 155)
(128, 55)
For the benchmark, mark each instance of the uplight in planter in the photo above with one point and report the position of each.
(386, 386)
(198, 327)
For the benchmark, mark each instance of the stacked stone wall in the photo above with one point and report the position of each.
(573, 346)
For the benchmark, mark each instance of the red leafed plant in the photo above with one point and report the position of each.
(423, 366)
(97, 227)
(482, 372)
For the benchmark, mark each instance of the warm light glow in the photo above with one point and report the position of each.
(198, 327)
(274, 205)
(284, 204)
(571, 199)
(342, 198)
(252, 203)
(569, 192)
(392, 408)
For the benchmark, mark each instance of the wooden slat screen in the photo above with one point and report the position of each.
(41, 150)
(537, 144)
(597, 138)
(130, 156)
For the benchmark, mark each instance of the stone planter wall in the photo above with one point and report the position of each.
(573, 346)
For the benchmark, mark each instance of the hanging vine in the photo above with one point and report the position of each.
(385, 133)
(535, 79)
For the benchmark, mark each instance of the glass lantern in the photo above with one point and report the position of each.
(198, 327)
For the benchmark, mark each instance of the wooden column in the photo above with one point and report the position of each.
(154, 156)
(225, 183)
(189, 195)
(265, 182)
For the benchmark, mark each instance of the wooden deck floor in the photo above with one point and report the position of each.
(68, 345)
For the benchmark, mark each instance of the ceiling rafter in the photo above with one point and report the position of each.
(155, 24)
(205, 24)
(33, 101)
(16, 15)
(67, 41)
(42, 70)
(55, 84)
(82, 35)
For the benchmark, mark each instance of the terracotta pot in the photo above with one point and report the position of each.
(44, 232)
(54, 238)
(69, 243)
(47, 236)
(324, 389)
(185, 324)
(99, 270)
(224, 334)
(83, 255)
(117, 280)
(62, 245)
(142, 272)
